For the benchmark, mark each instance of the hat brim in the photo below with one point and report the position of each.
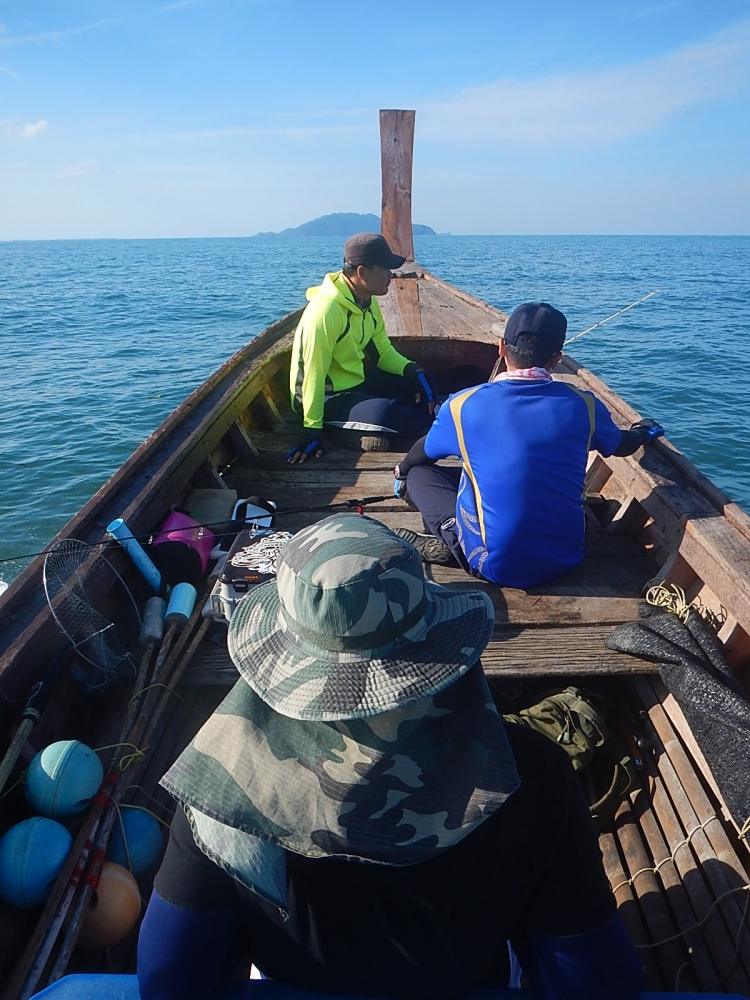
(304, 682)
(397, 789)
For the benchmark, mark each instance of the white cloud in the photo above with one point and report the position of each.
(32, 129)
(14, 128)
(302, 133)
(596, 106)
(83, 169)
(177, 5)
(7, 71)
(58, 34)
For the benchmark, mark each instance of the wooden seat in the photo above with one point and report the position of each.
(559, 628)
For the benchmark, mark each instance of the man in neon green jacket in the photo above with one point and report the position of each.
(345, 372)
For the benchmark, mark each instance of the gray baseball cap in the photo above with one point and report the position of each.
(370, 248)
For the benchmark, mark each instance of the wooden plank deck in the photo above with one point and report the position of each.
(556, 629)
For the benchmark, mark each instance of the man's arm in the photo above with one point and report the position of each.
(640, 434)
(188, 942)
(318, 334)
(317, 339)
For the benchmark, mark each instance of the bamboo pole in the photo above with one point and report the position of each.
(672, 955)
(720, 865)
(719, 931)
(629, 910)
(677, 894)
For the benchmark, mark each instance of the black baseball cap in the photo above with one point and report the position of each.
(369, 249)
(541, 321)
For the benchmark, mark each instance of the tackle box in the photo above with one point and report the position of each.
(250, 561)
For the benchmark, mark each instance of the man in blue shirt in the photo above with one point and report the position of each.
(513, 514)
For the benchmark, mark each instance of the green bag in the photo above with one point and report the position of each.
(575, 722)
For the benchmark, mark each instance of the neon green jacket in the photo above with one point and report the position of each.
(329, 347)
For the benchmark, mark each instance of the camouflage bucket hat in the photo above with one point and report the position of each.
(362, 726)
(350, 627)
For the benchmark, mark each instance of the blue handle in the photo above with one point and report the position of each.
(119, 530)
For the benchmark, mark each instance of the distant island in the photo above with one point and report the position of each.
(343, 224)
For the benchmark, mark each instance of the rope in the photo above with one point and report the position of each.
(614, 315)
(167, 688)
(657, 865)
(672, 598)
(128, 759)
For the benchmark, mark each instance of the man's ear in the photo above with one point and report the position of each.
(501, 347)
(554, 361)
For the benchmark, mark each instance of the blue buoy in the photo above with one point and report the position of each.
(63, 778)
(143, 837)
(31, 854)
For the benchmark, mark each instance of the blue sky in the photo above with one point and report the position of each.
(227, 117)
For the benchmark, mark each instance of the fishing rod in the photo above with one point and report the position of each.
(281, 512)
(614, 315)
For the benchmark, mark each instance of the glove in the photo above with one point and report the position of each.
(423, 382)
(399, 484)
(311, 446)
(648, 429)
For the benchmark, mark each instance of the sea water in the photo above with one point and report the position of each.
(101, 339)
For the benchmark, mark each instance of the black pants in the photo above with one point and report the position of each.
(432, 489)
(382, 404)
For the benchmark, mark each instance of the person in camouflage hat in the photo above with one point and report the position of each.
(349, 697)
(348, 786)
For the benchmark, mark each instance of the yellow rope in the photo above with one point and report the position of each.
(672, 598)
(654, 870)
(127, 759)
(171, 691)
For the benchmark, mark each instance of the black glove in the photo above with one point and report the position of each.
(399, 484)
(311, 446)
(648, 429)
(423, 382)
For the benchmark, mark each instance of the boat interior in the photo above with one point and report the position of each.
(674, 857)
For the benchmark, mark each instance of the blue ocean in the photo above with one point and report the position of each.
(101, 339)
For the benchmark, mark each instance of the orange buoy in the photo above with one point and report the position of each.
(113, 910)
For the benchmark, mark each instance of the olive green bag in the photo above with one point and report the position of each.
(575, 720)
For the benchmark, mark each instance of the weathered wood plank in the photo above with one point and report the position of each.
(400, 307)
(396, 151)
(720, 555)
(558, 651)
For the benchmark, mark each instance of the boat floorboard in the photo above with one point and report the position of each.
(556, 629)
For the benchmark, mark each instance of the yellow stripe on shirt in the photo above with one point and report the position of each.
(456, 406)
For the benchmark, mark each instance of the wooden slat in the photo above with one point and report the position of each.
(400, 307)
(720, 556)
(557, 652)
(670, 951)
(627, 906)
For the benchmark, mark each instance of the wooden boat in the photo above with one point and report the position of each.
(675, 857)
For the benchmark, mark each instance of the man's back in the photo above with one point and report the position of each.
(525, 444)
(532, 871)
